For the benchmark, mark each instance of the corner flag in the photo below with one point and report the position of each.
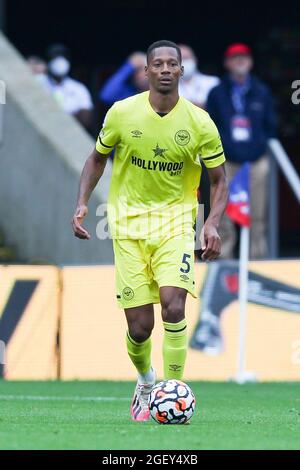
(238, 207)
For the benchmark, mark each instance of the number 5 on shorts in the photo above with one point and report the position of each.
(185, 261)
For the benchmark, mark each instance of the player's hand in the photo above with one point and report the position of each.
(137, 59)
(80, 232)
(210, 242)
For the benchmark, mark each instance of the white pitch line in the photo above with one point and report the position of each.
(54, 398)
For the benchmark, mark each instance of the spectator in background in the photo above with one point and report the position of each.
(242, 108)
(37, 65)
(73, 97)
(194, 85)
(128, 80)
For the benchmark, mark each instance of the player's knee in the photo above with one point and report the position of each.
(172, 312)
(140, 333)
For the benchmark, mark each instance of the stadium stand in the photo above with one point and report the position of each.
(41, 156)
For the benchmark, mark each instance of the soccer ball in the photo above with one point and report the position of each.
(172, 402)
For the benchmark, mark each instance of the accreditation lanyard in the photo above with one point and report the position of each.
(241, 127)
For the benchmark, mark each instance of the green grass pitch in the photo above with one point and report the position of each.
(95, 415)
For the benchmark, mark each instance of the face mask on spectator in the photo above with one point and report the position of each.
(59, 67)
(190, 67)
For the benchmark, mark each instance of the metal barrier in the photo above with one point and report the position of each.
(278, 158)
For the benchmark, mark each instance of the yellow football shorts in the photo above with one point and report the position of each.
(143, 266)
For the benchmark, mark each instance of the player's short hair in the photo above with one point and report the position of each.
(163, 43)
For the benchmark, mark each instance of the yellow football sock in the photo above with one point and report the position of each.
(140, 354)
(174, 349)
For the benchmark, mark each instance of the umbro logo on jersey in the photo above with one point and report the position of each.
(136, 133)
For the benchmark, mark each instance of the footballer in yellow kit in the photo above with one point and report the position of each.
(160, 142)
(153, 195)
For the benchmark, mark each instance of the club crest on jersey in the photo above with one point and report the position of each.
(136, 134)
(182, 137)
(128, 293)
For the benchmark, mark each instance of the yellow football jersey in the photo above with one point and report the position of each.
(157, 166)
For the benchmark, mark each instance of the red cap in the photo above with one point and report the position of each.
(237, 49)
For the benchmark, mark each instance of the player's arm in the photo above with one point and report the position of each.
(91, 173)
(93, 170)
(212, 155)
(210, 239)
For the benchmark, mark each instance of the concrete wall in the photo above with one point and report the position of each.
(42, 152)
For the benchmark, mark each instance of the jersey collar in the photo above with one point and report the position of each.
(157, 116)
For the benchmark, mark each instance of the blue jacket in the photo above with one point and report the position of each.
(118, 86)
(258, 108)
